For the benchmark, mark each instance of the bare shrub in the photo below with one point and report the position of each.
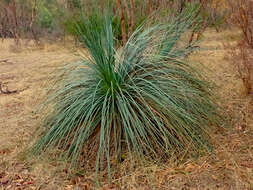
(9, 20)
(242, 53)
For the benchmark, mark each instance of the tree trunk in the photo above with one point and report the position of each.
(128, 18)
(122, 19)
(132, 16)
(149, 7)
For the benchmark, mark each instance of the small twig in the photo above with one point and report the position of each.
(5, 61)
(6, 91)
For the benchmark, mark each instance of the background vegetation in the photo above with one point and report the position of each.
(241, 54)
(44, 18)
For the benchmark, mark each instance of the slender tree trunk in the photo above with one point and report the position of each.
(15, 30)
(122, 19)
(128, 18)
(132, 16)
(4, 23)
(32, 21)
(149, 6)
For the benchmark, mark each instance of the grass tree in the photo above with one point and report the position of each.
(141, 98)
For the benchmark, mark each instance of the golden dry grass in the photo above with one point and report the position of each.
(230, 167)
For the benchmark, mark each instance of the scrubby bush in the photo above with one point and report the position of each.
(242, 17)
(45, 19)
(20, 19)
(216, 13)
(141, 99)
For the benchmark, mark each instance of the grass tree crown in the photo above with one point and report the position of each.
(141, 98)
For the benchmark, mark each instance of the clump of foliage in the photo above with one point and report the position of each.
(45, 19)
(141, 98)
(75, 24)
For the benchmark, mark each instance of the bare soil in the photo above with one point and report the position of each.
(26, 70)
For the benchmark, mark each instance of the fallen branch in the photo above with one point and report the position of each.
(7, 90)
(4, 61)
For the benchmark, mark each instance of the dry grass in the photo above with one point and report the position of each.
(231, 167)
